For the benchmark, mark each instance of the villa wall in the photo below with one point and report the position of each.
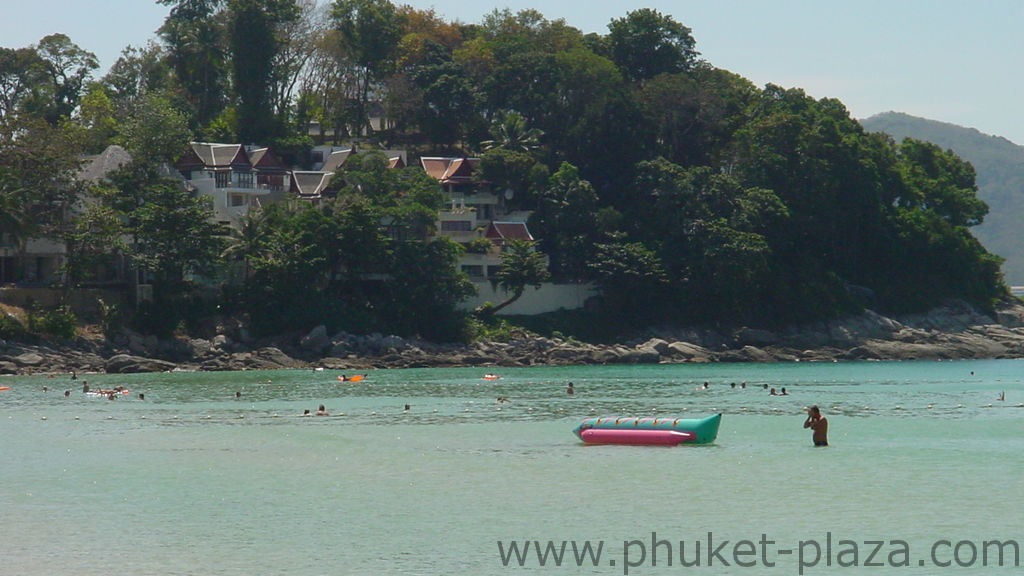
(549, 298)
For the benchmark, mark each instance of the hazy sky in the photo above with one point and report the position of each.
(953, 61)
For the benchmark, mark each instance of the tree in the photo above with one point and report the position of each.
(67, 68)
(246, 241)
(136, 72)
(21, 71)
(566, 221)
(449, 104)
(633, 282)
(256, 40)
(647, 43)
(14, 223)
(95, 125)
(44, 160)
(518, 175)
(155, 130)
(369, 32)
(299, 38)
(173, 233)
(195, 36)
(407, 199)
(509, 130)
(96, 235)
(426, 288)
(168, 229)
(941, 182)
(521, 266)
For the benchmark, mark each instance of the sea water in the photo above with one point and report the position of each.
(194, 480)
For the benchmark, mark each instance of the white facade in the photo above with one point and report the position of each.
(549, 298)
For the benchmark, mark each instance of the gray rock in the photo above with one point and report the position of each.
(128, 364)
(200, 347)
(688, 352)
(657, 344)
(28, 359)
(317, 339)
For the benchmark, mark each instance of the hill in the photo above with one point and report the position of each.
(999, 164)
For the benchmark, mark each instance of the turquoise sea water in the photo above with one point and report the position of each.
(192, 480)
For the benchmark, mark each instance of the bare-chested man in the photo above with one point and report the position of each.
(819, 424)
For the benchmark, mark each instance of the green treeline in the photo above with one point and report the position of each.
(686, 193)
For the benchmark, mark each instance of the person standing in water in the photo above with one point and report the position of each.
(570, 390)
(819, 424)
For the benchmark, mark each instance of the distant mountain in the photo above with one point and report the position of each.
(999, 164)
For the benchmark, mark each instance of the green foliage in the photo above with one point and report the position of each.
(111, 318)
(254, 32)
(647, 43)
(509, 131)
(59, 323)
(195, 38)
(66, 69)
(489, 328)
(521, 266)
(156, 131)
(479, 246)
(1000, 178)
(685, 192)
(11, 328)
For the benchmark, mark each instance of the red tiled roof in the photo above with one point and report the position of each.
(508, 231)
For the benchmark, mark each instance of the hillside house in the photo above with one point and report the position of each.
(474, 211)
(236, 177)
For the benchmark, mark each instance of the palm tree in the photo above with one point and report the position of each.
(521, 266)
(510, 132)
(15, 223)
(247, 240)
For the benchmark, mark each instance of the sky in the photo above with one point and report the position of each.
(955, 61)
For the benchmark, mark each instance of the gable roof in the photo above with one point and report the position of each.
(265, 160)
(450, 170)
(310, 184)
(504, 231)
(215, 155)
(336, 160)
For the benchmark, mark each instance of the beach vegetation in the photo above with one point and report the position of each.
(686, 194)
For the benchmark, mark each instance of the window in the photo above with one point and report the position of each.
(243, 179)
(473, 271)
(456, 226)
(223, 179)
(271, 182)
(237, 200)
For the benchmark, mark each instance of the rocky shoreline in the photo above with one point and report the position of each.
(951, 332)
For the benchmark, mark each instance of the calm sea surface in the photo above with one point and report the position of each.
(192, 480)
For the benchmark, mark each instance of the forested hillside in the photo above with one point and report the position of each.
(686, 193)
(1000, 175)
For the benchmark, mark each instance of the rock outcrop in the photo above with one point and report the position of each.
(954, 331)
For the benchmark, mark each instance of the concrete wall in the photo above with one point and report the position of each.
(84, 303)
(549, 298)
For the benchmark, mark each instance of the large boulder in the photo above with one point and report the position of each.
(317, 339)
(686, 352)
(28, 359)
(128, 364)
